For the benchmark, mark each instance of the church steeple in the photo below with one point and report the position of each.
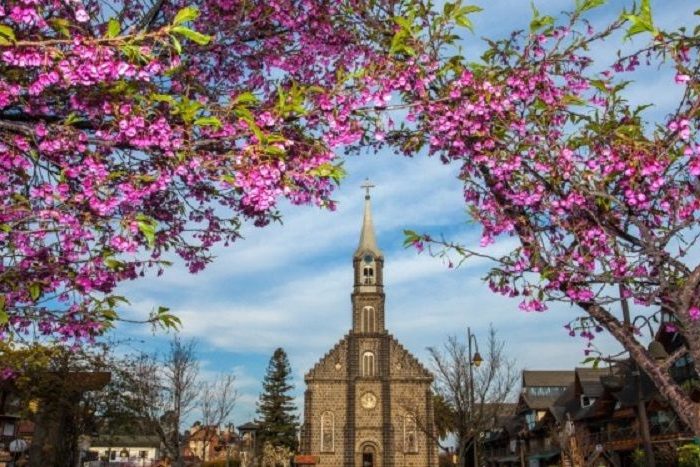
(368, 290)
(368, 241)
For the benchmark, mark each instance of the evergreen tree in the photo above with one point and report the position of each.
(278, 422)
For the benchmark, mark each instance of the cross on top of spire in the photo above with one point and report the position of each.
(367, 186)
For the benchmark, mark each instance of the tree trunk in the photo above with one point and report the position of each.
(55, 436)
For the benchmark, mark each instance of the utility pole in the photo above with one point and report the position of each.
(642, 418)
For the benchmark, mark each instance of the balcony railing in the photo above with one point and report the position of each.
(630, 435)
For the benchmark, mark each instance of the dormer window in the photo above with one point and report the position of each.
(587, 401)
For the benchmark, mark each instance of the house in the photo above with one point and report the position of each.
(528, 435)
(117, 449)
(209, 442)
(589, 416)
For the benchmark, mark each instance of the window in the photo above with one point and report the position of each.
(410, 439)
(8, 429)
(327, 432)
(587, 401)
(368, 274)
(530, 419)
(368, 364)
(545, 391)
(368, 319)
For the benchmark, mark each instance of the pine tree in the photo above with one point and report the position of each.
(278, 422)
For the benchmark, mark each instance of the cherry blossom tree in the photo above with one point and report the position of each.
(603, 202)
(132, 131)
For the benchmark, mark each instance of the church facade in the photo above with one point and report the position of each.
(368, 401)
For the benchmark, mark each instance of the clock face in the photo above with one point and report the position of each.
(368, 400)
(368, 258)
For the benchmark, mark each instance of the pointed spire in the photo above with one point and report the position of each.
(368, 242)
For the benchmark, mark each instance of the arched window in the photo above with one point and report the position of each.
(410, 437)
(327, 432)
(368, 319)
(368, 364)
(368, 274)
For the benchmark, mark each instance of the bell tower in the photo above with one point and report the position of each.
(368, 264)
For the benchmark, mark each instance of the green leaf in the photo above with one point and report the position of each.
(228, 178)
(208, 121)
(4, 318)
(245, 98)
(109, 314)
(113, 264)
(570, 99)
(410, 237)
(7, 32)
(464, 22)
(642, 22)
(465, 10)
(189, 13)
(187, 108)
(113, 28)
(163, 98)
(176, 44)
(60, 25)
(194, 36)
(585, 5)
(35, 291)
(540, 22)
(256, 129)
(166, 319)
(334, 171)
(147, 227)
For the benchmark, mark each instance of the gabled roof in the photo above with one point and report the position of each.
(588, 381)
(325, 367)
(325, 364)
(543, 379)
(547, 378)
(414, 364)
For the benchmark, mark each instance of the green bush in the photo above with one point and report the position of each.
(689, 455)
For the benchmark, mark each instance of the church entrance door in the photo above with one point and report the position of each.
(368, 457)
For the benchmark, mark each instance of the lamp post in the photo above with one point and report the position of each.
(474, 360)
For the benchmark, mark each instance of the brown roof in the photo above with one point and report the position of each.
(543, 379)
(589, 380)
(204, 432)
(560, 378)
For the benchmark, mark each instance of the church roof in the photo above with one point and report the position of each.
(368, 241)
(325, 368)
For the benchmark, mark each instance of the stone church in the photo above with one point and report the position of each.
(368, 401)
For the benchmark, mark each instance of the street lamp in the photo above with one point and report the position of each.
(474, 361)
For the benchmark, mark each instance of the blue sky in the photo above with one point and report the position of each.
(289, 285)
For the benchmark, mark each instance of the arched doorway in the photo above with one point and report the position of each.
(369, 456)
